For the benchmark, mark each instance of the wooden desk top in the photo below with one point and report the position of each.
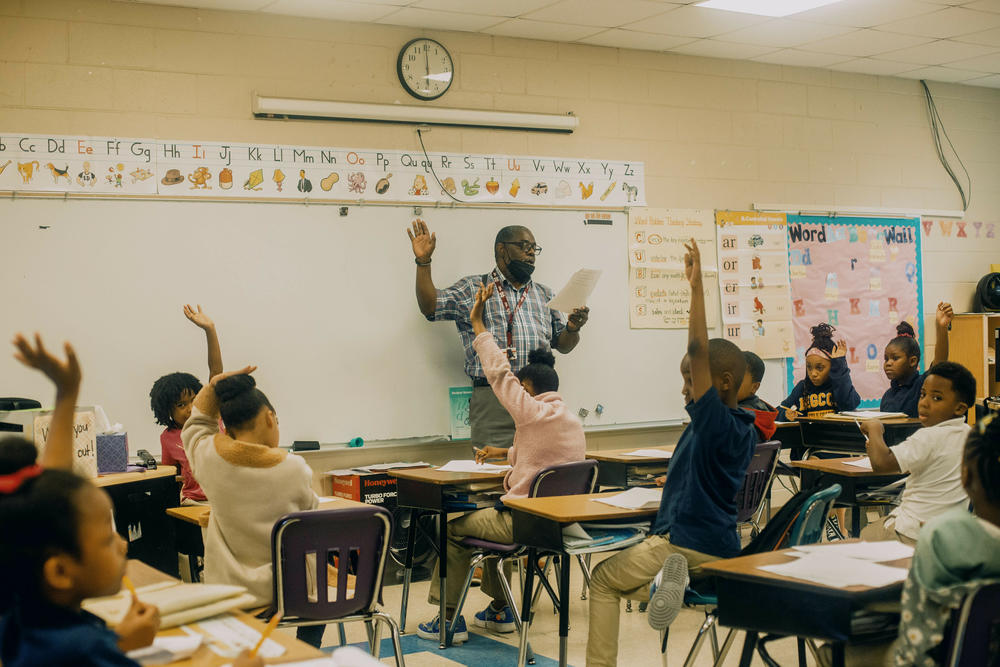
(746, 568)
(888, 421)
(143, 575)
(438, 478)
(784, 425)
(198, 514)
(567, 509)
(129, 477)
(618, 455)
(840, 467)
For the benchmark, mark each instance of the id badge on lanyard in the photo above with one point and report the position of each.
(511, 349)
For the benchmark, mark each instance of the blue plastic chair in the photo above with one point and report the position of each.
(973, 628)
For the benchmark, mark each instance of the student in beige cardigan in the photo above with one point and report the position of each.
(252, 483)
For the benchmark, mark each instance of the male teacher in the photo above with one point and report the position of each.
(516, 315)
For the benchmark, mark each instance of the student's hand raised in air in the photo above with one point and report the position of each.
(476, 315)
(840, 349)
(692, 263)
(139, 627)
(944, 315)
(246, 370)
(200, 319)
(422, 240)
(64, 374)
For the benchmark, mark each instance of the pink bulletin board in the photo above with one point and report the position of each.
(863, 276)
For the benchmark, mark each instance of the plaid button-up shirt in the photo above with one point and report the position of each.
(535, 325)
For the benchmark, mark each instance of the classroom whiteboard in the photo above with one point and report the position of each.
(323, 304)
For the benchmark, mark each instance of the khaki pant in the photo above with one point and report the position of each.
(627, 574)
(491, 423)
(486, 524)
(884, 529)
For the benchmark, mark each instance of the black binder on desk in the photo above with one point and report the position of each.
(10, 404)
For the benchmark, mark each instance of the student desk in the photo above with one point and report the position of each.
(189, 520)
(789, 434)
(613, 465)
(538, 524)
(424, 490)
(852, 479)
(762, 602)
(140, 500)
(840, 435)
(143, 575)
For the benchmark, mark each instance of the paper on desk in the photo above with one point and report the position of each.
(638, 497)
(231, 635)
(472, 466)
(579, 288)
(871, 551)
(865, 414)
(651, 453)
(838, 572)
(165, 650)
(864, 464)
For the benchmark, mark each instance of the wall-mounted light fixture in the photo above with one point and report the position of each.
(283, 107)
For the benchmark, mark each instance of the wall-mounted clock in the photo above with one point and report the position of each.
(425, 68)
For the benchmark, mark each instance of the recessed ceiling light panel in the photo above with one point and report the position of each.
(766, 7)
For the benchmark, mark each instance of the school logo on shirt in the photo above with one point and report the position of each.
(817, 405)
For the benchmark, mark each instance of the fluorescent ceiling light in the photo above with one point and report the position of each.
(766, 7)
(281, 107)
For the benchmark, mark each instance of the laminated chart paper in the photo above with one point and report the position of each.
(659, 296)
(753, 281)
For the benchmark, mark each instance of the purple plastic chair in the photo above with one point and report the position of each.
(751, 496)
(356, 540)
(565, 479)
(974, 628)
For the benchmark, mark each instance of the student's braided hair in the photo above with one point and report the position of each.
(982, 450)
(822, 335)
(906, 340)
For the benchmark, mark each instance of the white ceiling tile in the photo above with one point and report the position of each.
(987, 37)
(338, 10)
(867, 13)
(631, 39)
(864, 43)
(984, 6)
(946, 23)
(427, 18)
(945, 74)
(800, 58)
(696, 22)
(873, 66)
(556, 32)
(510, 8)
(992, 81)
(713, 48)
(989, 64)
(598, 12)
(785, 32)
(941, 52)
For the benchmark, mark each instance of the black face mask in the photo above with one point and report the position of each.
(520, 271)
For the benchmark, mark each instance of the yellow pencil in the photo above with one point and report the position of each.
(129, 586)
(271, 625)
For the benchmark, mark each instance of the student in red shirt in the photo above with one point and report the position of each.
(171, 398)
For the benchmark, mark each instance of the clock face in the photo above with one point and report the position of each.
(425, 69)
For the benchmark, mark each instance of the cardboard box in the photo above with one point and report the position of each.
(112, 453)
(373, 488)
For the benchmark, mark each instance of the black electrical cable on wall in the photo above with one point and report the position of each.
(937, 129)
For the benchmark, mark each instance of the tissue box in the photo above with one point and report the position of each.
(112, 453)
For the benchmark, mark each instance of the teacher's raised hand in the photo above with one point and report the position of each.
(422, 240)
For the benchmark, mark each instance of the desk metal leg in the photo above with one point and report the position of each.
(411, 541)
(526, 603)
(855, 519)
(564, 568)
(442, 525)
(838, 654)
(749, 644)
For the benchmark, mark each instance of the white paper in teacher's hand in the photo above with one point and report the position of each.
(579, 288)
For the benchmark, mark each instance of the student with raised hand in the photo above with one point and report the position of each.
(827, 386)
(546, 433)
(171, 398)
(696, 521)
(932, 456)
(902, 360)
(251, 481)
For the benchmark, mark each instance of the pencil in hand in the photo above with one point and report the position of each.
(128, 584)
(271, 625)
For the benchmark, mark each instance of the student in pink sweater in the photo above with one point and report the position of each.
(547, 433)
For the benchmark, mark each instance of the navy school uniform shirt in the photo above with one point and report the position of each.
(698, 508)
(903, 396)
(835, 395)
(44, 634)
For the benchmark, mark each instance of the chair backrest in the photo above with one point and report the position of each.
(355, 541)
(809, 527)
(565, 479)
(977, 629)
(760, 472)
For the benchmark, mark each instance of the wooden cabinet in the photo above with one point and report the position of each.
(972, 344)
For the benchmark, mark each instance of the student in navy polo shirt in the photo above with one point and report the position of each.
(902, 358)
(696, 522)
